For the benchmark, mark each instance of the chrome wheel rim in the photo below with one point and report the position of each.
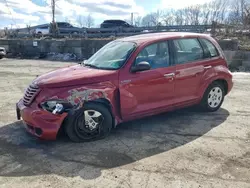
(215, 97)
(92, 119)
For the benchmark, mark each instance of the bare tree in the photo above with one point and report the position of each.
(90, 21)
(169, 17)
(85, 21)
(218, 10)
(195, 15)
(235, 16)
(179, 16)
(205, 14)
(245, 11)
(146, 21)
(187, 18)
(152, 19)
(138, 21)
(80, 21)
(156, 17)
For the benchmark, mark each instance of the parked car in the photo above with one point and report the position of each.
(2, 52)
(115, 23)
(127, 79)
(67, 28)
(42, 30)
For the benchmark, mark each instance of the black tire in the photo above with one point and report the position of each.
(204, 105)
(1, 57)
(76, 118)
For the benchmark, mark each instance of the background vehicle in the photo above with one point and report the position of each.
(2, 52)
(127, 79)
(115, 23)
(43, 30)
(67, 28)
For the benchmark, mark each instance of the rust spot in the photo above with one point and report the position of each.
(77, 97)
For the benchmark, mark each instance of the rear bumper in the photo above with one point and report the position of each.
(38, 122)
(230, 85)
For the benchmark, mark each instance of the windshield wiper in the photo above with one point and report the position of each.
(90, 65)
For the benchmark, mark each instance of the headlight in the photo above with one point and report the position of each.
(56, 106)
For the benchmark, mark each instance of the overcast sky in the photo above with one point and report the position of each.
(32, 12)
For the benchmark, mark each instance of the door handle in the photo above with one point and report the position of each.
(207, 67)
(169, 75)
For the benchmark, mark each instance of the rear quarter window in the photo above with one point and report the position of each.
(212, 50)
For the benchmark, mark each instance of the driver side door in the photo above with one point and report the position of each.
(151, 91)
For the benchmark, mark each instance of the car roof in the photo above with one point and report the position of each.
(150, 37)
(113, 21)
(62, 22)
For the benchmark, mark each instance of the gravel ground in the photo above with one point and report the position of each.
(177, 149)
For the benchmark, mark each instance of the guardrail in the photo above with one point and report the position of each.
(155, 28)
(118, 31)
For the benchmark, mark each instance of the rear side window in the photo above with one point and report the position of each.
(188, 50)
(212, 50)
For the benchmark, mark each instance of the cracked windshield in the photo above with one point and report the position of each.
(124, 94)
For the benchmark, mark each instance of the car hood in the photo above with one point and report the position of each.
(74, 75)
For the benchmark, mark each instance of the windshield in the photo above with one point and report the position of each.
(112, 56)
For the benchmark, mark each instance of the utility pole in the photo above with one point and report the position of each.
(242, 11)
(53, 4)
(53, 24)
(132, 18)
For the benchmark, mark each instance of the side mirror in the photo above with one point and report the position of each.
(142, 66)
(82, 62)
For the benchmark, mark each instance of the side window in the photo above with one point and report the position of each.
(188, 50)
(60, 24)
(157, 55)
(211, 48)
(68, 25)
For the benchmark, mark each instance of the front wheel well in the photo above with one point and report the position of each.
(102, 101)
(223, 83)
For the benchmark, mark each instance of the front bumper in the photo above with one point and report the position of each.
(39, 122)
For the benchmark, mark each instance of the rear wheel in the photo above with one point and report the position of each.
(213, 97)
(92, 122)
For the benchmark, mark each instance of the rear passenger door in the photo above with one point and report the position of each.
(189, 60)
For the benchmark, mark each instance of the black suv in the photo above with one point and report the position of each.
(115, 23)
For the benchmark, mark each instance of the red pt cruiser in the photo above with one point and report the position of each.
(127, 79)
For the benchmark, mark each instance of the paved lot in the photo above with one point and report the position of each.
(177, 149)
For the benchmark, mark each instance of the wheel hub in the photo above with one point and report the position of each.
(215, 97)
(92, 119)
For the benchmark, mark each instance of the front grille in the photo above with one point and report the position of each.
(30, 94)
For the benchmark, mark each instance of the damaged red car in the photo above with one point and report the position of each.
(127, 79)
